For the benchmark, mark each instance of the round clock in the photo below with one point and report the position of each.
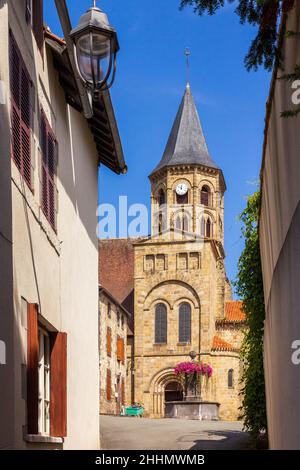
(181, 189)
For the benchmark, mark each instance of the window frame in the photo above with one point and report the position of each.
(164, 339)
(182, 339)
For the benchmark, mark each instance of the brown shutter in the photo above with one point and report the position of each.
(21, 112)
(108, 385)
(32, 368)
(49, 157)
(108, 342)
(37, 22)
(120, 350)
(123, 391)
(58, 384)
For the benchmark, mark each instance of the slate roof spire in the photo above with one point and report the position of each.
(186, 144)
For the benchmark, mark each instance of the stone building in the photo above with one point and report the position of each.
(182, 297)
(113, 321)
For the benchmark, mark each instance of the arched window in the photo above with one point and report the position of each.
(160, 223)
(185, 224)
(205, 196)
(185, 323)
(208, 228)
(202, 226)
(161, 197)
(160, 324)
(230, 379)
(178, 225)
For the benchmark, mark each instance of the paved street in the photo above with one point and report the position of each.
(163, 434)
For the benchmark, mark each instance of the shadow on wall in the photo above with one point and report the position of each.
(6, 277)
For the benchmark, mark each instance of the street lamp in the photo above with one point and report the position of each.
(96, 46)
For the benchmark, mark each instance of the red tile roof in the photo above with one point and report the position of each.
(234, 311)
(54, 37)
(221, 345)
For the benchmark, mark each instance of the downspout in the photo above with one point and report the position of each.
(66, 25)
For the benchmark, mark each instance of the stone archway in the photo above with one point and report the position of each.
(158, 388)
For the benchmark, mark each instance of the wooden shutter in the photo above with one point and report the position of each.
(58, 385)
(37, 22)
(123, 391)
(160, 324)
(21, 112)
(108, 342)
(108, 385)
(48, 171)
(32, 368)
(122, 351)
(185, 323)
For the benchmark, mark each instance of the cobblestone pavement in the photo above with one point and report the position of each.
(118, 433)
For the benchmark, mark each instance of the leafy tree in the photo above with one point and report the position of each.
(249, 287)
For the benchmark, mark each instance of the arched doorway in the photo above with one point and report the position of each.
(173, 392)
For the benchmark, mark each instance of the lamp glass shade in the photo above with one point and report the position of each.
(93, 56)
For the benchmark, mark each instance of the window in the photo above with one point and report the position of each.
(108, 342)
(208, 228)
(160, 324)
(118, 318)
(46, 378)
(122, 321)
(185, 323)
(161, 197)
(44, 382)
(178, 223)
(21, 90)
(230, 379)
(205, 196)
(109, 310)
(48, 171)
(185, 223)
(108, 385)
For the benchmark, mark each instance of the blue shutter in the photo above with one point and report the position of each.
(160, 324)
(184, 323)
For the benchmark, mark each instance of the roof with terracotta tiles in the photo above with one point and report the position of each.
(221, 345)
(233, 312)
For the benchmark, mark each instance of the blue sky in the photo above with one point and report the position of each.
(149, 86)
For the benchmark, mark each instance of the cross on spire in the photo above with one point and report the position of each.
(187, 54)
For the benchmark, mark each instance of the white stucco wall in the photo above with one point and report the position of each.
(280, 250)
(57, 271)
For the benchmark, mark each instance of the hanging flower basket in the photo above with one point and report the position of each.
(191, 374)
(193, 368)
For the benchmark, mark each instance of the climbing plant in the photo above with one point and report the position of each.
(249, 287)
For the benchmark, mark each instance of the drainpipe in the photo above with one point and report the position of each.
(66, 25)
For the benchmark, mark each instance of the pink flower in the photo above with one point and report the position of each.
(200, 368)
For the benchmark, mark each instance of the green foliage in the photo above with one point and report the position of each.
(249, 287)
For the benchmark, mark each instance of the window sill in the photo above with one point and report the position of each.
(40, 439)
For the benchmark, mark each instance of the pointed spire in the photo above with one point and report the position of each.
(186, 144)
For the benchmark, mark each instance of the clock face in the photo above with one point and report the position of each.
(181, 189)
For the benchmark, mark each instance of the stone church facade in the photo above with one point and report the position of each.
(181, 297)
